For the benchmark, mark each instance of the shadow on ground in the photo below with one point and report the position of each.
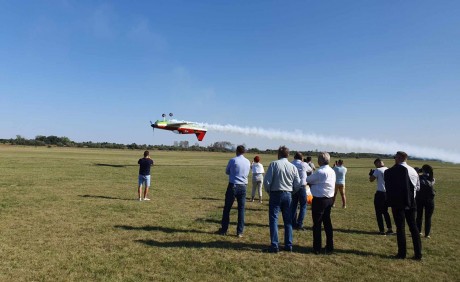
(160, 228)
(220, 244)
(105, 197)
(115, 165)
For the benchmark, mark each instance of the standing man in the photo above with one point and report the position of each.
(300, 197)
(281, 179)
(401, 183)
(380, 197)
(237, 171)
(322, 183)
(340, 172)
(310, 163)
(144, 175)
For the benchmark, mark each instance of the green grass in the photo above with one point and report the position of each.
(72, 215)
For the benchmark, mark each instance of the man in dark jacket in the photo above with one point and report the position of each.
(401, 183)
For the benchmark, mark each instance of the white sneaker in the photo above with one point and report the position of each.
(140, 199)
(146, 199)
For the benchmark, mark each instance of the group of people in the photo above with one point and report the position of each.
(286, 184)
(408, 191)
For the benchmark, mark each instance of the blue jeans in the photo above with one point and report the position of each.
(299, 197)
(237, 191)
(280, 201)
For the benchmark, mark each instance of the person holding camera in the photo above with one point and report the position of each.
(144, 175)
(425, 199)
(257, 178)
(340, 172)
(380, 197)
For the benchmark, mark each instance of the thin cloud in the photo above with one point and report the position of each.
(143, 33)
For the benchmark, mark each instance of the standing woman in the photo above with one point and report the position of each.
(425, 199)
(257, 178)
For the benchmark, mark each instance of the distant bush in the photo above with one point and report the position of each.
(220, 146)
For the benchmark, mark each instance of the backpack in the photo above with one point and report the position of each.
(426, 188)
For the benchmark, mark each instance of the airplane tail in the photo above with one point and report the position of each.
(200, 135)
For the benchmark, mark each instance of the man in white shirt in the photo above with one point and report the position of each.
(300, 197)
(310, 163)
(380, 197)
(322, 187)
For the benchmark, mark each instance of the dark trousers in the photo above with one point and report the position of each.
(428, 205)
(401, 215)
(237, 191)
(321, 214)
(381, 211)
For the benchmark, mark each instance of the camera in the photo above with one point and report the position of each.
(371, 172)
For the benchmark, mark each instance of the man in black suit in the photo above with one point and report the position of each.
(401, 183)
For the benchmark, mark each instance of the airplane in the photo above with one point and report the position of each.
(180, 127)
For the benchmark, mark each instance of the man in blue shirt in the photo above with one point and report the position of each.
(281, 180)
(237, 171)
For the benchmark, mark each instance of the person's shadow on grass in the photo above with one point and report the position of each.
(160, 228)
(104, 197)
(115, 165)
(220, 244)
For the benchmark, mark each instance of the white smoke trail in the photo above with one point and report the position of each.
(338, 143)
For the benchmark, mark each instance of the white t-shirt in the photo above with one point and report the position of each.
(378, 174)
(257, 168)
(257, 172)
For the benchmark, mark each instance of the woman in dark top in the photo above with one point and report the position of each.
(425, 199)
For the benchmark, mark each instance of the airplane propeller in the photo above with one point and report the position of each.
(153, 128)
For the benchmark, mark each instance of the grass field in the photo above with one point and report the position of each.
(72, 215)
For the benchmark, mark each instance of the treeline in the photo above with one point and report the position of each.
(220, 146)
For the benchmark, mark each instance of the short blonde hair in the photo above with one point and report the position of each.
(324, 158)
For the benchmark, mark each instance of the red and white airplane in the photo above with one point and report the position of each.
(180, 127)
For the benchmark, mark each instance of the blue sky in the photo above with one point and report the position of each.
(100, 70)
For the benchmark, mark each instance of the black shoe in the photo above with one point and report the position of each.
(398, 256)
(382, 233)
(220, 232)
(417, 257)
(390, 232)
(288, 249)
(317, 252)
(300, 228)
(270, 250)
(328, 251)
